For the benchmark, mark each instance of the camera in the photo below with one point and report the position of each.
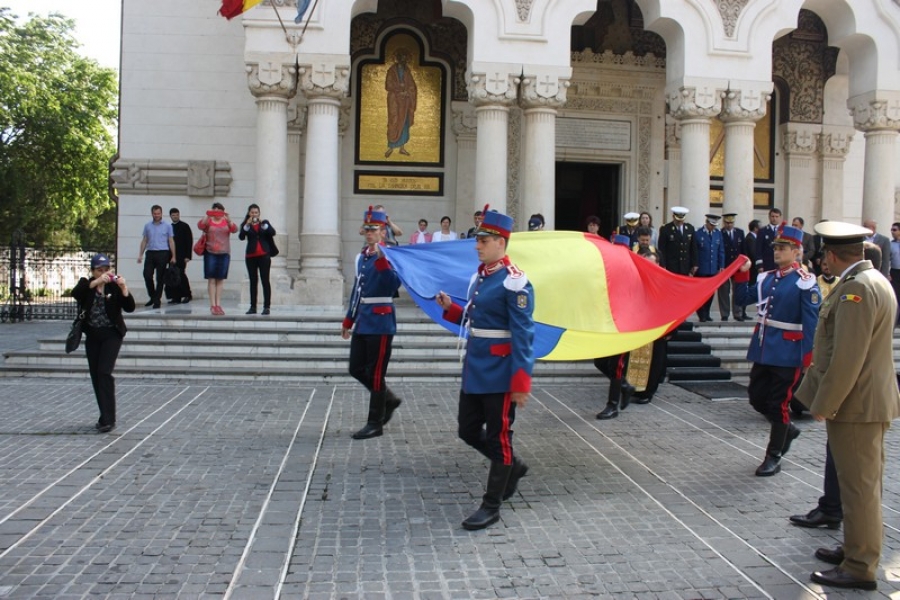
(113, 278)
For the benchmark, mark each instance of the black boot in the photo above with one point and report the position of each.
(610, 412)
(772, 463)
(627, 391)
(489, 512)
(391, 402)
(792, 434)
(519, 470)
(376, 418)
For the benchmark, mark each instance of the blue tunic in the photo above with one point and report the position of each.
(375, 280)
(710, 250)
(500, 302)
(787, 312)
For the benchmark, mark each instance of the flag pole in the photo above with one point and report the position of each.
(302, 33)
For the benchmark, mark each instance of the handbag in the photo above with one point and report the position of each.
(172, 276)
(200, 246)
(73, 340)
(273, 249)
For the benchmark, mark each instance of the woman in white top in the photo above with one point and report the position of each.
(444, 235)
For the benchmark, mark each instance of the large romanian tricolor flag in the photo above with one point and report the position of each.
(232, 8)
(592, 298)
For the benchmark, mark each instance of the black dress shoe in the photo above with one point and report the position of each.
(266, 311)
(610, 412)
(519, 470)
(149, 302)
(816, 518)
(390, 405)
(627, 392)
(641, 400)
(185, 300)
(106, 428)
(769, 467)
(833, 556)
(175, 301)
(840, 579)
(252, 311)
(369, 431)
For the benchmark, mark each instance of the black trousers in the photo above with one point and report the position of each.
(771, 390)
(485, 422)
(155, 261)
(369, 358)
(258, 269)
(102, 348)
(613, 367)
(830, 501)
(183, 290)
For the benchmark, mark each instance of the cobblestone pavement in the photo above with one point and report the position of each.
(257, 491)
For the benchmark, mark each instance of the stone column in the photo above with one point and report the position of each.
(693, 107)
(799, 147)
(741, 109)
(541, 95)
(296, 134)
(833, 146)
(492, 91)
(877, 114)
(324, 81)
(273, 83)
(464, 126)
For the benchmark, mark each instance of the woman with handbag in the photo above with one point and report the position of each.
(101, 299)
(260, 236)
(218, 227)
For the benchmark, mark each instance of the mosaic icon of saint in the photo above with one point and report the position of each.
(402, 95)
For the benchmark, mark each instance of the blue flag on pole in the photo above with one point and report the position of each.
(302, 5)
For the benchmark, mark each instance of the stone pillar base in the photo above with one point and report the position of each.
(314, 289)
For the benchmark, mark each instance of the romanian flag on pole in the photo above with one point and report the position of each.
(232, 8)
(592, 298)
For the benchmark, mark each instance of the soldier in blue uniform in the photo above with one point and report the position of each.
(372, 319)
(765, 256)
(787, 301)
(710, 252)
(496, 376)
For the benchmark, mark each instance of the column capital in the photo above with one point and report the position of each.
(694, 102)
(324, 75)
(875, 110)
(800, 138)
(745, 105)
(834, 141)
(271, 76)
(544, 88)
(492, 84)
(465, 121)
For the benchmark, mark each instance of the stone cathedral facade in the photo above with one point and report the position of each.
(434, 108)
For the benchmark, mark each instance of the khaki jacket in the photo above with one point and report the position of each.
(852, 377)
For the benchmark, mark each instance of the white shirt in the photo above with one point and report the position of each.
(442, 237)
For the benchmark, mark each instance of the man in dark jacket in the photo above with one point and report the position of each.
(676, 244)
(733, 240)
(184, 243)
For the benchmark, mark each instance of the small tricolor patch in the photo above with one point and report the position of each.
(851, 298)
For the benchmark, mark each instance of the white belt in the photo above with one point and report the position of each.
(377, 300)
(780, 324)
(489, 333)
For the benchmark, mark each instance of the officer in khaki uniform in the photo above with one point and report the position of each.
(851, 384)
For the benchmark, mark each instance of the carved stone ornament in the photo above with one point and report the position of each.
(740, 105)
(325, 79)
(523, 9)
(834, 144)
(543, 91)
(692, 102)
(493, 88)
(203, 178)
(871, 114)
(799, 141)
(627, 61)
(269, 78)
(465, 121)
(730, 10)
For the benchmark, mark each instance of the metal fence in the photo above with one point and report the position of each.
(36, 283)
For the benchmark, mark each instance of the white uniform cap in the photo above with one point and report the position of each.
(680, 210)
(632, 216)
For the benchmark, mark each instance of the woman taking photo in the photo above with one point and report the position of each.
(102, 298)
(218, 228)
(259, 235)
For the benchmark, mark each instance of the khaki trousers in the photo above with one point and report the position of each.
(858, 450)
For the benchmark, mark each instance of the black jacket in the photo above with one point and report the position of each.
(264, 237)
(184, 240)
(115, 302)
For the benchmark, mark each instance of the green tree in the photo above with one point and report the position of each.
(58, 110)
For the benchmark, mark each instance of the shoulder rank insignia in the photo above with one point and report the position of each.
(851, 298)
(522, 299)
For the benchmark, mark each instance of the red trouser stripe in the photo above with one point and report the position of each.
(505, 445)
(620, 366)
(786, 403)
(378, 375)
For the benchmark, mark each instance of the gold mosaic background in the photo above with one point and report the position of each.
(424, 144)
